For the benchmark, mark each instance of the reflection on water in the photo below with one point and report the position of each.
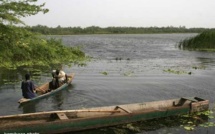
(58, 100)
(28, 108)
(207, 61)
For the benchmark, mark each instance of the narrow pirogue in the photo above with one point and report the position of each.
(76, 120)
(42, 90)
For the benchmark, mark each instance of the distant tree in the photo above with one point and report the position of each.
(113, 30)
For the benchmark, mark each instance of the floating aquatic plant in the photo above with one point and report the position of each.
(104, 73)
(192, 120)
(132, 127)
(129, 73)
(177, 71)
(199, 67)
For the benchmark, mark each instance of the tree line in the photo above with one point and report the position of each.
(111, 30)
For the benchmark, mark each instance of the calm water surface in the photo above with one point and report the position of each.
(139, 68)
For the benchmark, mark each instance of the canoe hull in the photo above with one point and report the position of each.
(91, 118)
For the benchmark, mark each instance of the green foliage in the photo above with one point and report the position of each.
(39, 51)
(20, 47)
(204, 41)
(12, 10)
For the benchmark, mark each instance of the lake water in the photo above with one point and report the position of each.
(124, 69)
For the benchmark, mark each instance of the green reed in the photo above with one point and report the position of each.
(204, 41)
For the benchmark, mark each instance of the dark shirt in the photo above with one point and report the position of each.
(28, 89)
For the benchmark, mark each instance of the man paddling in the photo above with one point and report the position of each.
(28, 88)
(59, 77)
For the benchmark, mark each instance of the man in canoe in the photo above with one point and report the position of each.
(28, 88)
(59, 77)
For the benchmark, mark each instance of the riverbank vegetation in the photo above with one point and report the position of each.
(203, 42)
(112, 30)
(21, 47)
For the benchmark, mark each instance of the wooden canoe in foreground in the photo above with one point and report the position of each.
(76, 120)
(42, 91)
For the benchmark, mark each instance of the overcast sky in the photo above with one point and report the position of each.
(135, 13)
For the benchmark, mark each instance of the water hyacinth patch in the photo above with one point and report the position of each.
(104, 73)
(177, 71)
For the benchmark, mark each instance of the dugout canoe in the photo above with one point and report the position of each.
(90, 118)
(42, 91)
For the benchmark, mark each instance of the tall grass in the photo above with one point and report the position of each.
(203, 41)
